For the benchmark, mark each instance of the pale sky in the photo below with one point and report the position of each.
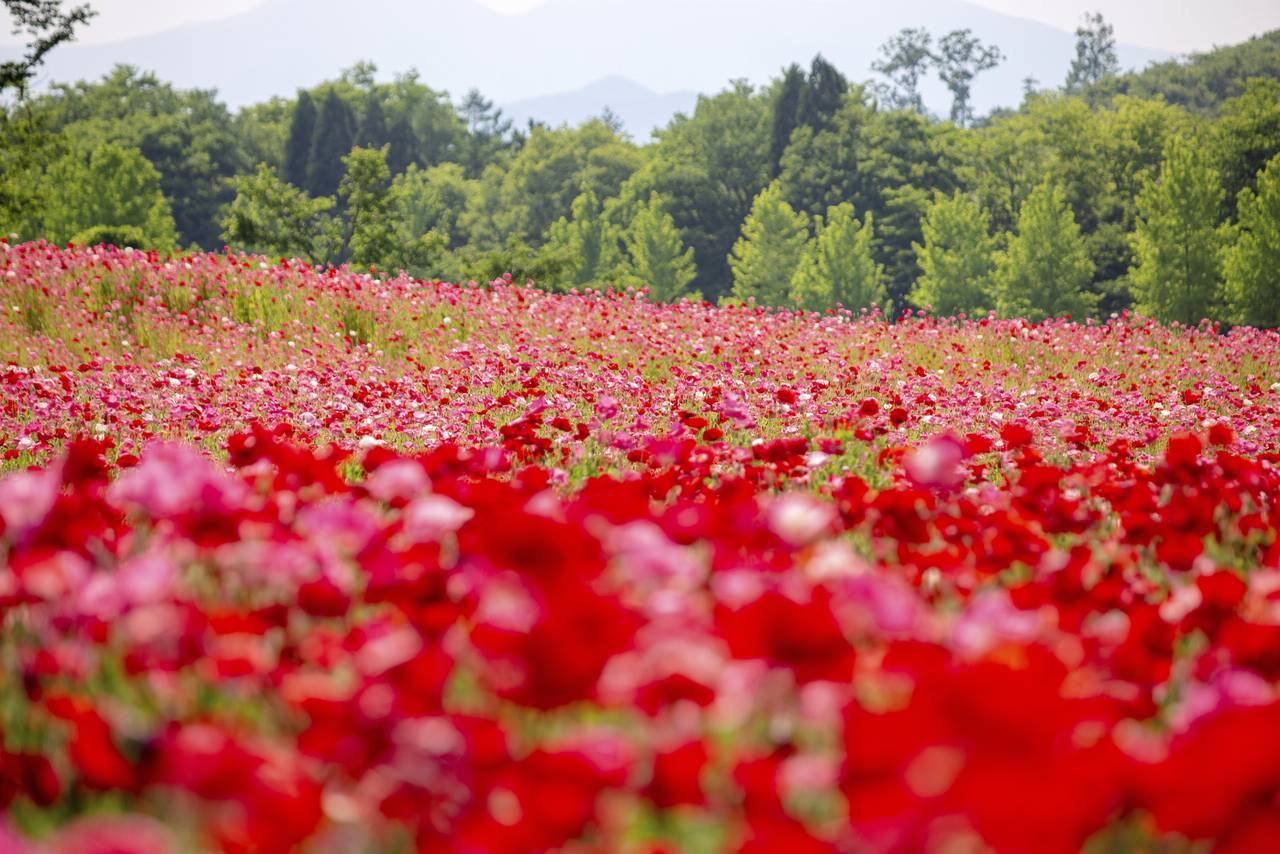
(1179, 26)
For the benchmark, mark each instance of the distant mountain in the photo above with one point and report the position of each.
(640, 110)
(564, 45)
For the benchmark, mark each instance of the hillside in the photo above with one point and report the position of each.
(1202, 81)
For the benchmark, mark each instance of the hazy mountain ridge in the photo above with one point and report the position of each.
(517, 60)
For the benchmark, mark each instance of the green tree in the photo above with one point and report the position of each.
(187, 135)
(45, 25)
(334, 137)
(822, 95)
(1252, 263)
(1046, 269)
(430, 200)
(772, 244)
(592, 242)
(1095, 57)
(838, 267)
(263, 131)
(539, 186)
(786, 109)
(302, 131)
(1177, 243)
(112, 186)
(488, 132)
(373, 123)
(904, 60)
(403, 151)
(658, 257)
(365, 180)
(960, 58)
(1247, 136)
(708, 167)
(271, 217)
(957, 259)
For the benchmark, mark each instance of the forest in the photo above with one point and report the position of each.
(1157, 191)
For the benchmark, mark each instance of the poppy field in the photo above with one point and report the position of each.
(318, 560)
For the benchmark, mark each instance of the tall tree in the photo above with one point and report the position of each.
(657, 255)
(1095, 54)
(488, 131)
(403, 145)
(904, 60)
(364, 186)
(786, 110)
(373, 123)
(766, 256)
(334, 137)
(960, 58)
(822, 95)
(1046, 269)
(302, 131)
(45, 25)
(957, 259)
(838, 267)
(1251, 263)
(1177, 243)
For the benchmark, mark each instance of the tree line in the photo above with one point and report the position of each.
(1093, 196)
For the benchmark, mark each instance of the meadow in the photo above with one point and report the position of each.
(317, 559)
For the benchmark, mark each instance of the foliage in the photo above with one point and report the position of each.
(588, 238)
(112, 186)
(187, 135)
(1252, 263)
(657, 257)
(961, 57)
(335, 133)
(765, 258)
(1248, 136)
(274, 218)
(838, 268)
(1046, 269)
(957, 259)
(302, 131)
(371, 237)
(904, 59)
(45, 25)
(1095, 58)
(1201, 82)
(1177, 243)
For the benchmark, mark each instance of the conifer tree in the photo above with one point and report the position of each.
(958, 258)
(1046, 268)
(658, 256)
(334, 137)
(302, 131)
(822, 95)
(404, 145)
(1252, 263)
(785, 111)
(839, 266)
(1177, 244)
(766, 256)
(592, 243)
(373, 124)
